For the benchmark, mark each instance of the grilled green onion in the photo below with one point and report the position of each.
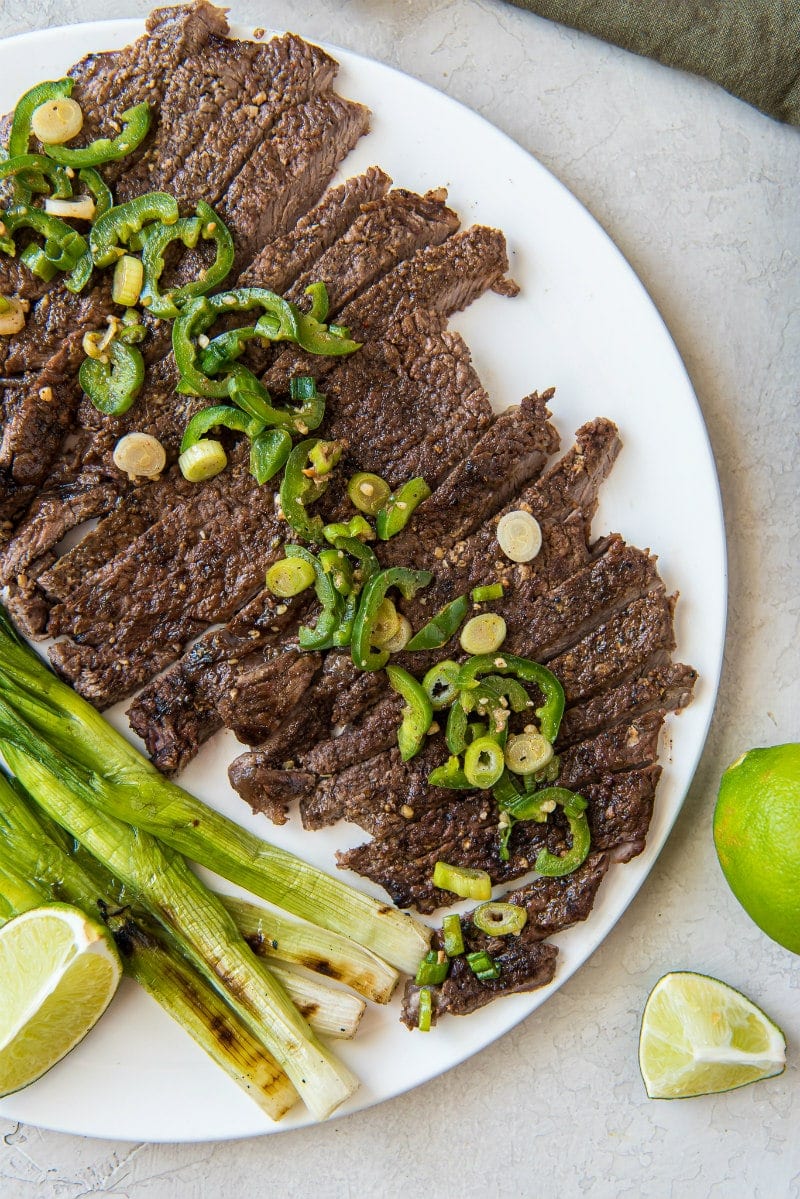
(500, 919)
(526, 753)
(492, 591)
(368, 492)
(483, 762)
(462, 880)
(483, 634)
(203, 460)
(289, 577)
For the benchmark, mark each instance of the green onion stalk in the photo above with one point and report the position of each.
(127, 787)
(162, 882)
(28, 849)
(278, 939)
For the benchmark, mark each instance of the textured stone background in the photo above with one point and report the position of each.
(700, 193)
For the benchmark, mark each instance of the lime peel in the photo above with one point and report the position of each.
(700, 1037)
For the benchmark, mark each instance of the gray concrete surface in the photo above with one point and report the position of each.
(700, 192)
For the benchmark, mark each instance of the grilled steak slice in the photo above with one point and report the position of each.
(109, 83)
(512, 452)
(162, 715)
(280, 262)
(465, 833)
(524, 964)
(626, 645)
(386, 232)
(625, 746)
(383, 793)
(151, 620)
(552, 905)
(307, 144)
(238, 91)
(442, 278)
(668, 687)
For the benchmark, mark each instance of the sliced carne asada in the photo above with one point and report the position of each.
(281, 261)
(669, 687)
(524, 965)
(552, 905)
(516, 444)
(151, 620)
(442, 279)
(239, 90)
(386, 232)
(465, 833)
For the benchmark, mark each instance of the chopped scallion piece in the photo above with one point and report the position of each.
(432, 970)
(386, 623)
(483, 966)
(452, 935)
(500, 919)
(519, 536)
(57, 121)
(425, 1010)
(140, 455)
(492, 591)
(401, 638)
(462, 880)
(203, 460)
(289, 577)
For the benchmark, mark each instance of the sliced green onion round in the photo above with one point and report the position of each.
(519, 536)
(431, 970)
(483, 762)
(483, 634)
(203, 460)
(289, 577)
(368, 493)
(440, 684)
(57, 121)
(140, 455)
(425, 1010)
(525, 753)
(12, 315)
(386, 623)
(452, 936)
(401, 638)
(127, 281)
(463, 881)
(500, 919)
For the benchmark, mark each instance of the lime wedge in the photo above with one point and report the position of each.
(700, 1036)
(58, 973)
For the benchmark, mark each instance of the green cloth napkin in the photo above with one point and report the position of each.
(749, 47)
